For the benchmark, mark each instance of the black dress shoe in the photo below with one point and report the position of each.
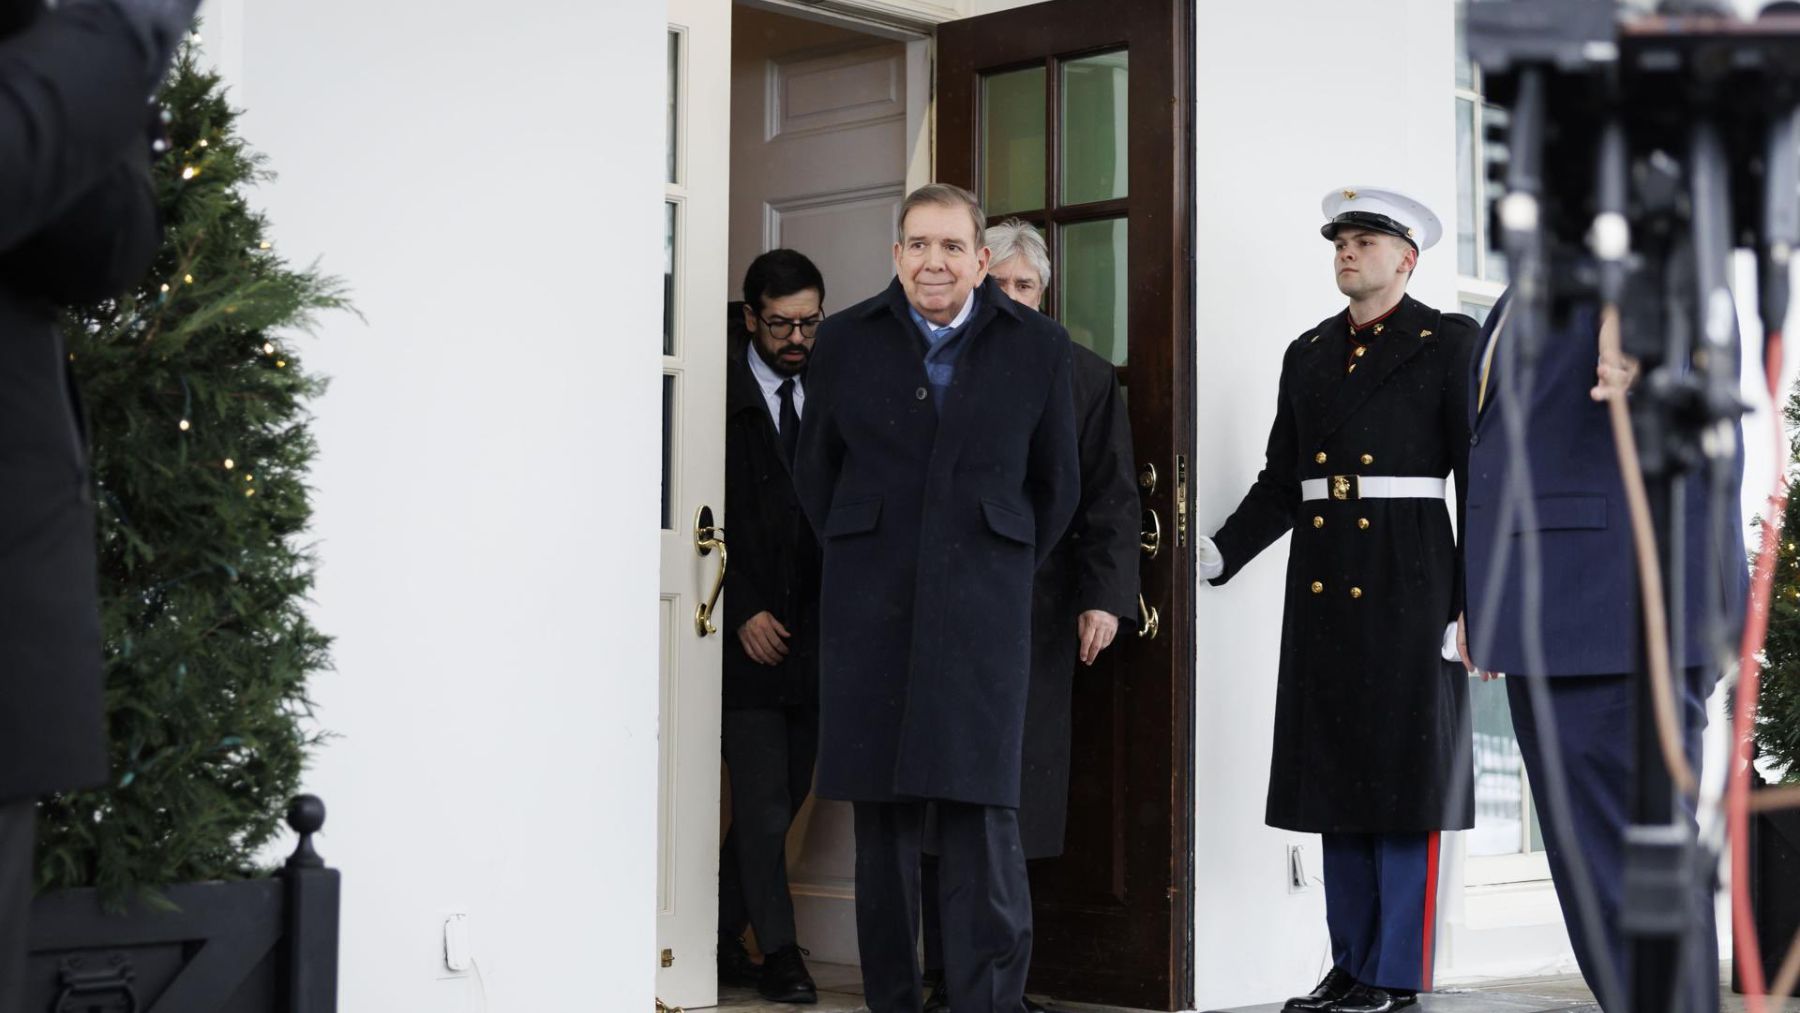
(1369, 999)
(937, 994)
(736, 969)
(1336, 984)
(1033, 1006)
(784, 977)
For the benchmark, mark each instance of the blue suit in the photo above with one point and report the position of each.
(1588, 617)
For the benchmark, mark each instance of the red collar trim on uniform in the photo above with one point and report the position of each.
(1356, 327)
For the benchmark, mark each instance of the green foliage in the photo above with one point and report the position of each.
(1778, 705)
(200, 440)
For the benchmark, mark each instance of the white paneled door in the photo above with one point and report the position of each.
(695, 547)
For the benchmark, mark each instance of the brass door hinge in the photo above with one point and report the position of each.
(1181, 501)
(668, 958)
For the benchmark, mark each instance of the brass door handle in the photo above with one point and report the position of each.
(1150, 540)
(1152, 620)
(708, 537)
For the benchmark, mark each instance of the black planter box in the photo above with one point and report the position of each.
(1774, 887)
(251, 946)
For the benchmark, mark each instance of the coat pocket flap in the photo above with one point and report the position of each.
(1566, 513)
(852, 518)
(1009, 523)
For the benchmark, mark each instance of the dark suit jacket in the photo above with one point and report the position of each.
(75, 220)
(933, 523)
(774, 553)
(1589, 616)
(1095, 566)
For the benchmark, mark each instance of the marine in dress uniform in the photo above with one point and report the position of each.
(1371, 725)
(1080, 595)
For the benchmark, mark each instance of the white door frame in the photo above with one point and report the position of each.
(693, 379)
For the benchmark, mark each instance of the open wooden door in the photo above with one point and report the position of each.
(1076, 116)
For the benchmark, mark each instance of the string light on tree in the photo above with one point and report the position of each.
(185, 425)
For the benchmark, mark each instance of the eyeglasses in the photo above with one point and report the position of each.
(781, 327)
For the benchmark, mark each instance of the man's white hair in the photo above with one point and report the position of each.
(1019, 238)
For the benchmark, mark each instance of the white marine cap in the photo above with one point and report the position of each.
(1389, 211)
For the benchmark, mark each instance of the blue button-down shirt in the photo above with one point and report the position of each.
(944, 345)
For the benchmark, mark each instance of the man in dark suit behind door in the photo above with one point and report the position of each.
(938, 462)
(771, 673)
(77, 222)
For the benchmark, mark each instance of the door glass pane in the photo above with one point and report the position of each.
(668, 335)
(1465, 69)
(1094, 127)
(1505, 820)
(668, 448)
(1012, 141)
(1092, 282)
(1468, 189)
(672, 140)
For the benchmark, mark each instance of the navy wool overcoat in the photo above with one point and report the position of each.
(932, 520)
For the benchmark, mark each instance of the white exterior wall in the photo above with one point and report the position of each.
(1292, 100)
(488, 178)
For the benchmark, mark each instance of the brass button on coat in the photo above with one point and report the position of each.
(1360, 350)
(1318, 522)
(1363, 523)
(1318, 588)
(1368, 458)
(1319, 457)
(1356, 592)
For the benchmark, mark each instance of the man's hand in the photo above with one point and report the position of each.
(762, 635)
(1096, 630)
(1614, 374)
(1462, 648)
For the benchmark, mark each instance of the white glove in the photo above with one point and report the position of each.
(1206, 553)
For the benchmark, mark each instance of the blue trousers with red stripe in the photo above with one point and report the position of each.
(1380, 904)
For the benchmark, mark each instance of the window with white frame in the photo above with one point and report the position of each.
(1481, 272)
(1507, 842)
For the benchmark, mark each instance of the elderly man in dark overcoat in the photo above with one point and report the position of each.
(77, 221)
(938, 462)
(1372, 728)
(1082, 592)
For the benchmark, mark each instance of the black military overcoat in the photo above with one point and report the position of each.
(1371, 727)
(932, 523)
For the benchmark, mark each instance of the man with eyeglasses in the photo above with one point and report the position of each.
(771, 673)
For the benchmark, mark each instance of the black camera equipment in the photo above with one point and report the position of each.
(1638, 148)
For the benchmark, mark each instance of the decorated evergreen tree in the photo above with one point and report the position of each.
(198, 426)
(1778, 706)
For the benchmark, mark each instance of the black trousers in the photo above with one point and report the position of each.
(18, 827)
(985, 901)
(769, 754)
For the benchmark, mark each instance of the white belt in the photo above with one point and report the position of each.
(1348, 487)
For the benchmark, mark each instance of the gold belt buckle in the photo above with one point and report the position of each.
(1345, 487)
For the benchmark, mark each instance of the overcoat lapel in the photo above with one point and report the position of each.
(1404, 338)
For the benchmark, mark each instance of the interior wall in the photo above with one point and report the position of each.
(488, 181)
